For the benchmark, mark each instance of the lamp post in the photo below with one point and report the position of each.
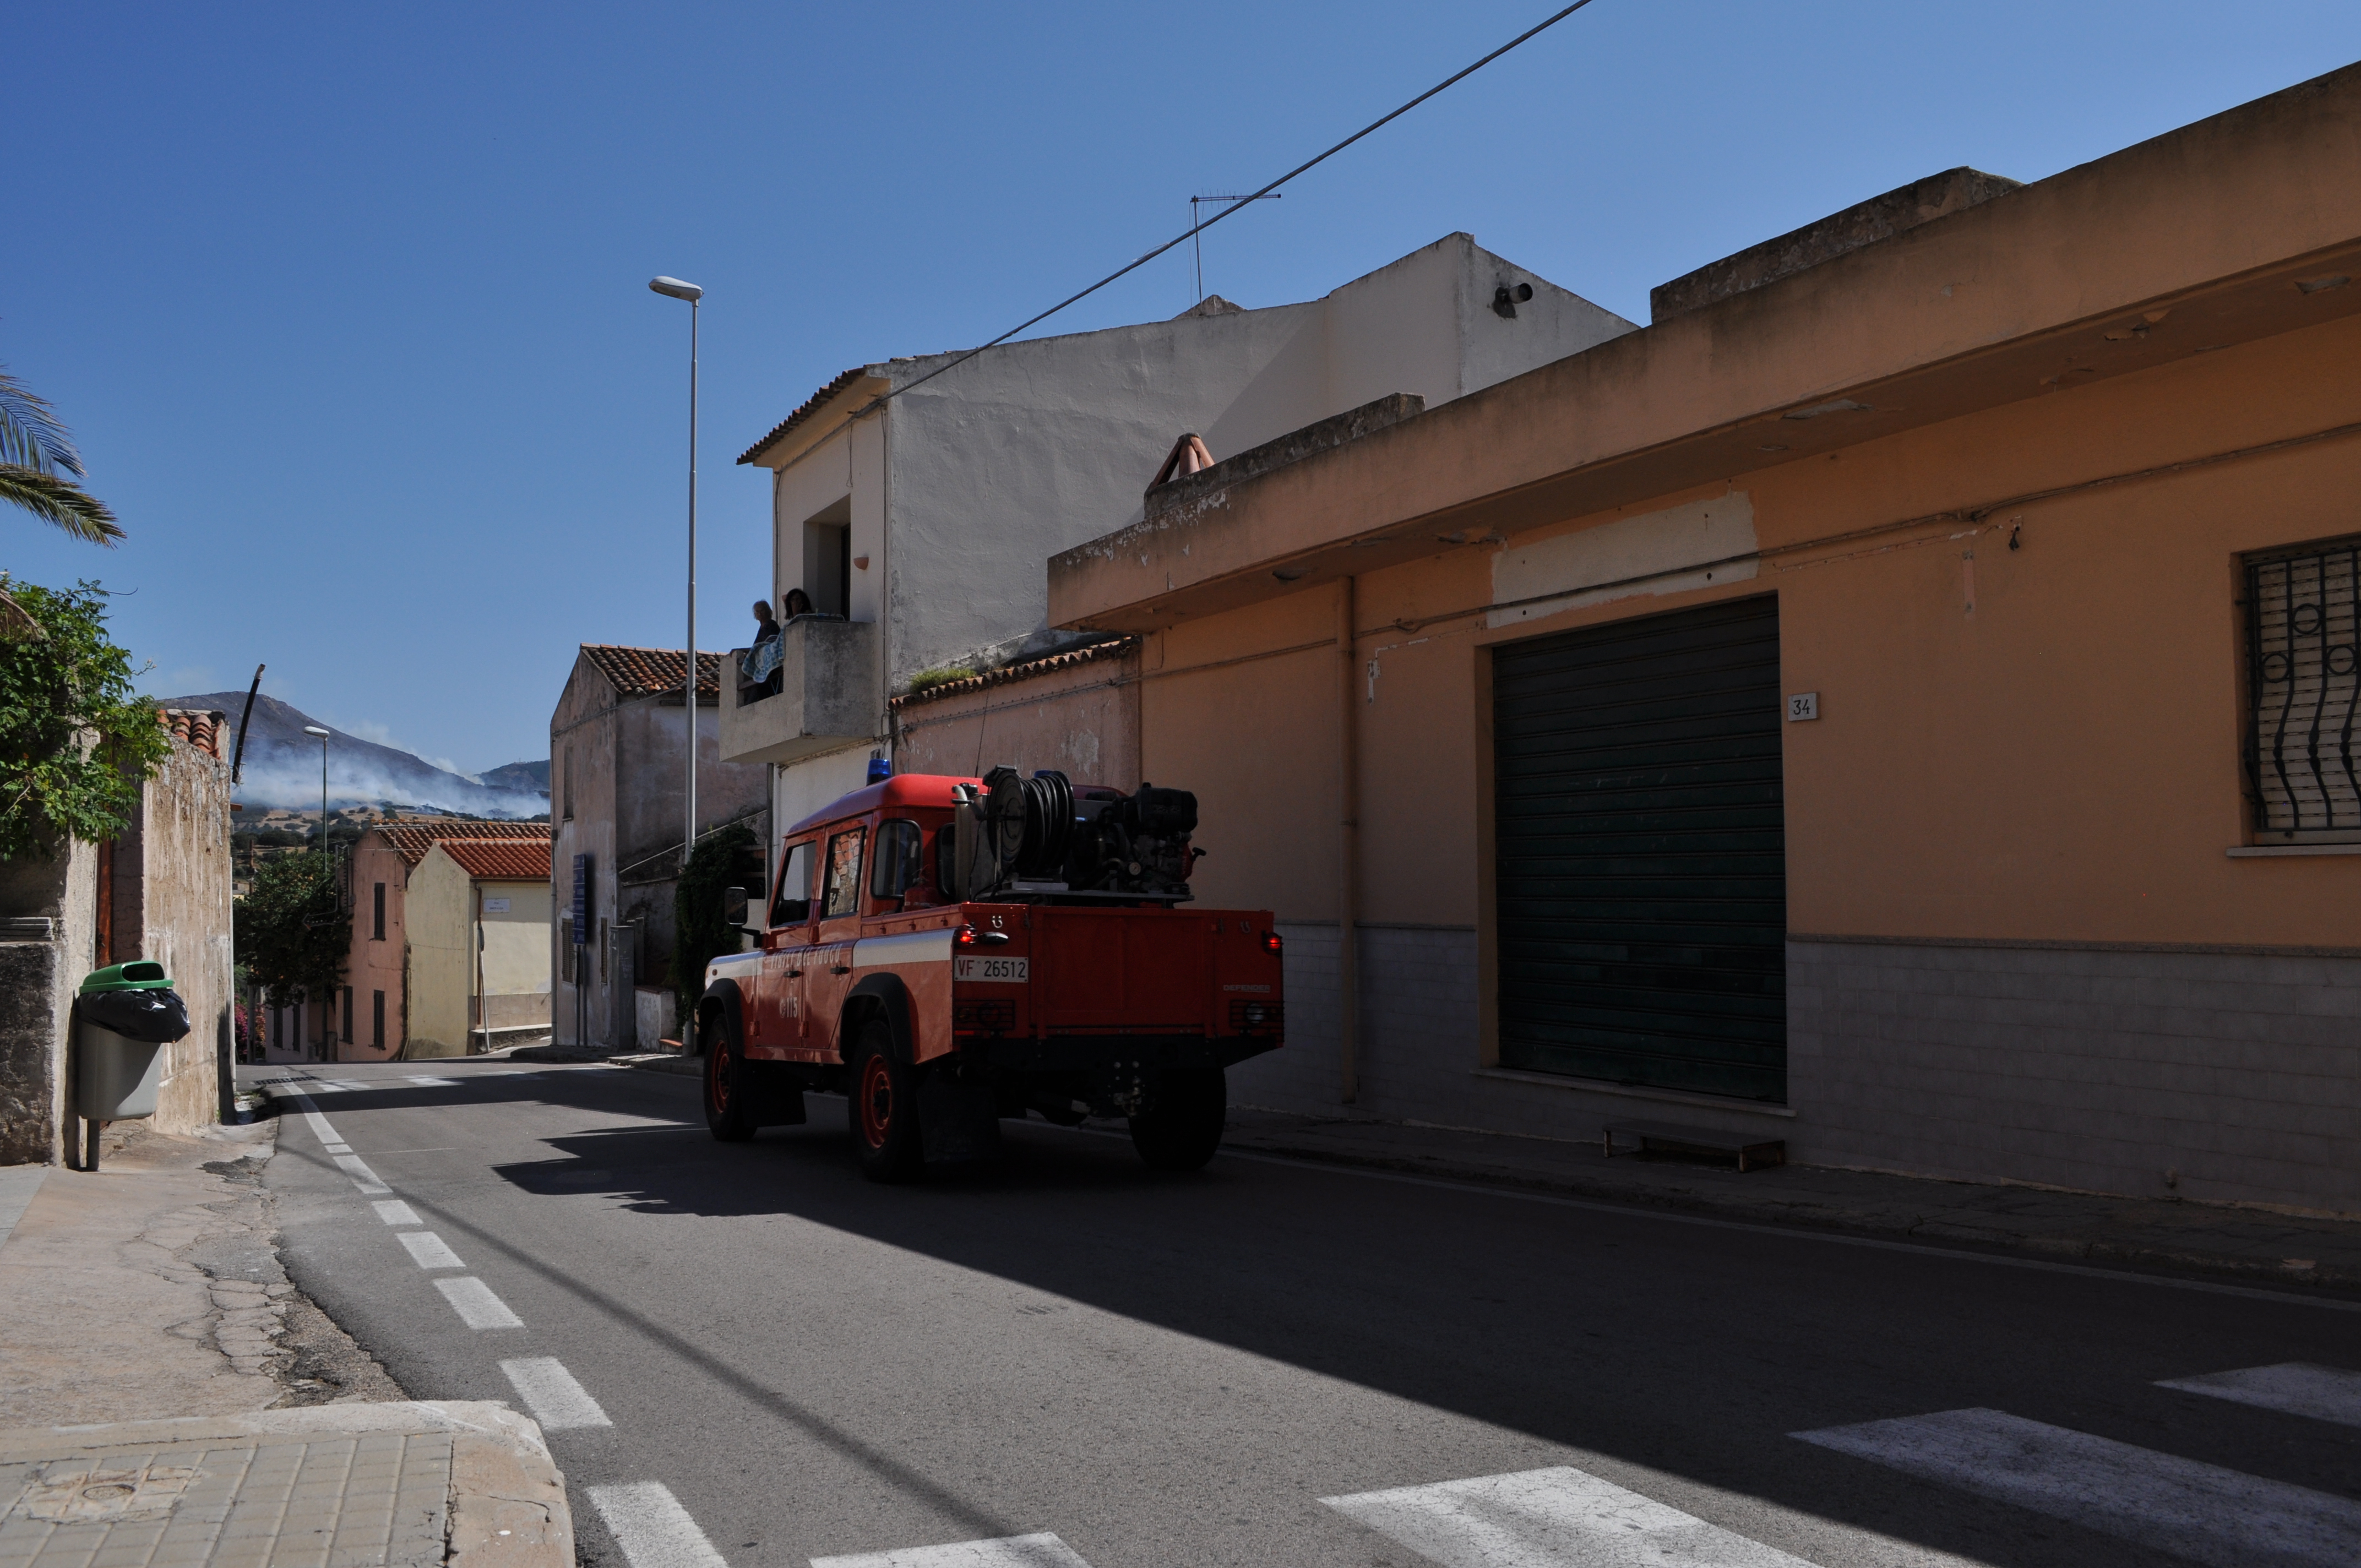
(324, 862)
(674, 287)
(316, 730)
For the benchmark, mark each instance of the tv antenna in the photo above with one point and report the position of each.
(1199, 244)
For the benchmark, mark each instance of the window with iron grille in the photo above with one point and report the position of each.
(2303, 674)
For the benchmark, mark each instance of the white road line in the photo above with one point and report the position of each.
(428, 1250)
(476, 1306)
(652, 1528)
(1559, 1517)
(394, 1211)
(337, 1148)
(424, 1082)
(2178, 1506)
(1043, 1551)
(557, 1401)
(354, 1084)
(315, 1086)
(363, 1177)
(2298, 1388)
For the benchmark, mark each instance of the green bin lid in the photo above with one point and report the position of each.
(140, 974)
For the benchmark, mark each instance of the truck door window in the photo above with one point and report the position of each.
(843, 895)
(894, 868)
(793, 905)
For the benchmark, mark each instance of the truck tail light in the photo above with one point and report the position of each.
(1257, 1017)
(1270, 943)
(963, 937)
(980, 1017)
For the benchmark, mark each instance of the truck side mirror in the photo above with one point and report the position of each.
(733, 905)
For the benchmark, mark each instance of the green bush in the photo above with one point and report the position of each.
(290, 936)
(926, 679)
(76, 740)
(726, 858)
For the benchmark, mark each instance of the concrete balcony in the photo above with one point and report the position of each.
(828, 696)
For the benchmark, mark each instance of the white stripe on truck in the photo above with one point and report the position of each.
(909, 948)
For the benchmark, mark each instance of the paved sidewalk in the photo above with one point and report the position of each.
(2258, 1245)
(420, 1486)
(174, 1400)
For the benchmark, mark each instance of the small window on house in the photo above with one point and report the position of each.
(2303, 679)
(794, 903)
(603, 944)
(894, 868)
(377, 1019)
(569, 782)
(843, 895)
(347, 1032)
(376, 913)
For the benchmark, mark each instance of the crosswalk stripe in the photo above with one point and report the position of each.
(394, 1211)
(1043, 1551)
(1558, 1517)
(557, 1399)
(477, 1307)
(2182, 1507)
(652, 1528)
(2297, 1388)
(428, 1250)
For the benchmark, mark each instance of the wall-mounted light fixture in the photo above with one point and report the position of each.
(1507, 297)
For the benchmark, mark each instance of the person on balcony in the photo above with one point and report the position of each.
(759, 674)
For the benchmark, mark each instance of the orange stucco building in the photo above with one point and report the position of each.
(1903, 700)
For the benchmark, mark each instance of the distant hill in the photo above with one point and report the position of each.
(282, 767)
(520, 775)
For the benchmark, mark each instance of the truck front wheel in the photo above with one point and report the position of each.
(883, 1108)
(726, 1087)
(1181, 1125)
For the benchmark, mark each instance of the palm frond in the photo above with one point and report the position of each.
(53, 500)
(31, 435)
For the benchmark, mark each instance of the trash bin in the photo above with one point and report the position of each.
(124, 1016)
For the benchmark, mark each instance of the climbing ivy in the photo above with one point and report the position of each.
(702, 934)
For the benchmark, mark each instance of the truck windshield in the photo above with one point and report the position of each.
(843, 896)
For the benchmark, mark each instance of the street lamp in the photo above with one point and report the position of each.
(324, 862)
(316, 730)
(673, 288)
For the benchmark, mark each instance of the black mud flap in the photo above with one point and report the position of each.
(957, 1121)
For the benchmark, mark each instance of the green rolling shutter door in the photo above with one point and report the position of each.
(1643, 879)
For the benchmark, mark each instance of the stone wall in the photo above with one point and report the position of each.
(179, 915)
(37, 979)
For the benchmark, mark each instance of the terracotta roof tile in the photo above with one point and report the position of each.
(412, 839)
(500, 860)
(811, 406)
(652, 672)
(200, 727)
(1007, 674)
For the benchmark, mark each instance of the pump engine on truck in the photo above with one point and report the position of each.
(951, 952)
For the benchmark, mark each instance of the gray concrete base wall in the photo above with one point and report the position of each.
(2100, 1069)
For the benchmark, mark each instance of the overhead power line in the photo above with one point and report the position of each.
(1197, 228)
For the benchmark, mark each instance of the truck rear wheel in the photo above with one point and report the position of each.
(728, 1100)
(882, 1108)
(1181, 1125)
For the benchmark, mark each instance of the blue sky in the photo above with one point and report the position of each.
(347, 306)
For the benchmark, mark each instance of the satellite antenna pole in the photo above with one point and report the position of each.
(1198, 244)
(237, 758)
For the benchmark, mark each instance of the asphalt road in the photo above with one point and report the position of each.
(797, 1364)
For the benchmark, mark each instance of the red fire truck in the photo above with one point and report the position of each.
(946, 952)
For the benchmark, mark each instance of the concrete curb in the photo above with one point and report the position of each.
(665, 1061)
(1804, 1213)
(507, 1496)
